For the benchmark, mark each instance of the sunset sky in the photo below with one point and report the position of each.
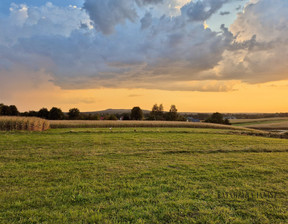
(202, 56)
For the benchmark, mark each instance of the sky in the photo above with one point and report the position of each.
(201, 55)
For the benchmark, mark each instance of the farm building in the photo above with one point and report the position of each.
(191, 119)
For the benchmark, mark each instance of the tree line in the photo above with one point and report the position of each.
(55, 113)
(136, 113)
(6, 110)
(157, 113)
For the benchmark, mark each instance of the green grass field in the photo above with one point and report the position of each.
(151, 175)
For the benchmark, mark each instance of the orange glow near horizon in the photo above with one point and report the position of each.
(263, 98)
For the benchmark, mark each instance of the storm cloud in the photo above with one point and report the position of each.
(130, 44)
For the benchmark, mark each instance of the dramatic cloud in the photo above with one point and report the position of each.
(107, 14)
(260, 50)
(201, 10)
(25, 22)
(146, 44)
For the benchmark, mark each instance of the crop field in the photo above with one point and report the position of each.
(263, 123)
(119, 124)
(142, 175)
(283, 125)
(8, 123)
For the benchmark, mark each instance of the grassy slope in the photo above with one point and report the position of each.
(148, 176)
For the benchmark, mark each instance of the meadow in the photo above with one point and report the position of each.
(142, 175)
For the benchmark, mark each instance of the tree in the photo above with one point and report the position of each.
(5, 110)
(95, 117)
(173, 109)
(55, 114)
(161, 108)
(157, 112)
(13, 110)
(125, 116)
(74, 114)
(172, 115)
(1, 105)
(227, 122)
(153, 113)
(217, 118)
(90, 116)
(110, 117)
(136, 113)
(8, 110)
(32, 113)
(43, 113)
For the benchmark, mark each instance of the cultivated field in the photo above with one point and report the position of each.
(259, 120)
(142, 175)
(263, 123)
(272, 126)
(119, 124)
(23, 123)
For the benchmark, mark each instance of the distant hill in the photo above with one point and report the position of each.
(114, 111)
